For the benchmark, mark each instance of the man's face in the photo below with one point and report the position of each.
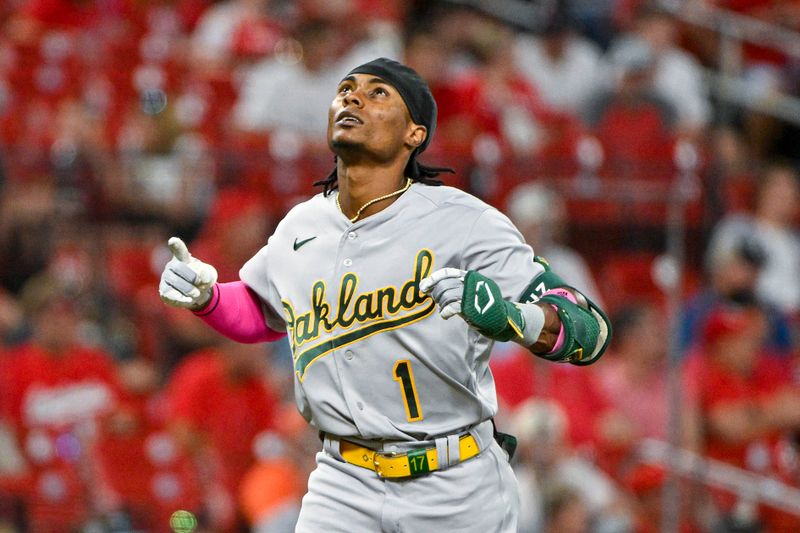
(55, 326)
(369, 116)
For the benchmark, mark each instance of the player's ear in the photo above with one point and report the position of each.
(416, 135)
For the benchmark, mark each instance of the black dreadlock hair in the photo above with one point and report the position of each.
(415, 171)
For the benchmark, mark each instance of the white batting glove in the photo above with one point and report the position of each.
(446, 287)
(186, 282)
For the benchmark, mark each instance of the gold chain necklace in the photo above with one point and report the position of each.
(376, 200)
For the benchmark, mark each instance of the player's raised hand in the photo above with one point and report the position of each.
(186, 282)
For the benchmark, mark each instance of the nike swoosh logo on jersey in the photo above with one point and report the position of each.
(298, 244)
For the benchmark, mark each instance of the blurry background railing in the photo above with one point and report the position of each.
(750, 488)
(733, 31)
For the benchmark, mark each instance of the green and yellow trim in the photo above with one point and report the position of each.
(303, 360)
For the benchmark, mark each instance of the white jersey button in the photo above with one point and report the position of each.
(360, 406)
(348, 355)
(352, 235)
(347, 262)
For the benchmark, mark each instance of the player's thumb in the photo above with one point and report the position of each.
(179, 249)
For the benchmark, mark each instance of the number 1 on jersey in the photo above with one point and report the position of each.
(403, 375)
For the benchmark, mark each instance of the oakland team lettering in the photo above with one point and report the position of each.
(373, 311)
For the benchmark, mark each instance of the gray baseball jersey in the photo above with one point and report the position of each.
(372, 357)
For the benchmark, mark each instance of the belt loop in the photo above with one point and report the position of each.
(453, 449)
(331, 446)
(483, 434)
(442, 453)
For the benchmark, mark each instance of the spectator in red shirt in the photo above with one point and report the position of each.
(634, 381)
(633, 123)
(677, 76)
(54, 391)
(494, 99)
(220, 402)
(646, 483)
(146, 473)
(747, 399)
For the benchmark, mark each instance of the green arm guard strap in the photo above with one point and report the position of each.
(587, 332)
(485, 309)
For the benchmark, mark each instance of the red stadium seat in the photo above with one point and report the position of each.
(626, 277)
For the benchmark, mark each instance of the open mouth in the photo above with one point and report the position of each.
(348, 119)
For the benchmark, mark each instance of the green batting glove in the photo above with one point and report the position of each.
(484, 308)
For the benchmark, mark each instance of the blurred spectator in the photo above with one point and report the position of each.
(733, 273)
(677, 76)
(485, 104)
(748, 404)
(523, 119)
(546, 464)
(763, 70)
(730, 181)
(166, 173)
(54, 392)
(12, 326)
(271, 491)
(565, 68)
(595, 18)
(83, 164)
(566, 512)
(293, 90)
(634, 381)
(431, 58)
(74, 268)
(220, 402)
(645, 483)
(146, 475)
(540, 214)
(27, 212)
(632, 121)
(237, 227)
(773, 226)
(232, 28)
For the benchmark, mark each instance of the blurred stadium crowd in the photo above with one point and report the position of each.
(124, 122)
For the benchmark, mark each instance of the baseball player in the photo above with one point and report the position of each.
(401, 394)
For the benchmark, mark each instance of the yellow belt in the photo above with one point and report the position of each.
(403, 464)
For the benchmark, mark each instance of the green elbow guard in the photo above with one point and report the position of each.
(587, 332)
(587, 329)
